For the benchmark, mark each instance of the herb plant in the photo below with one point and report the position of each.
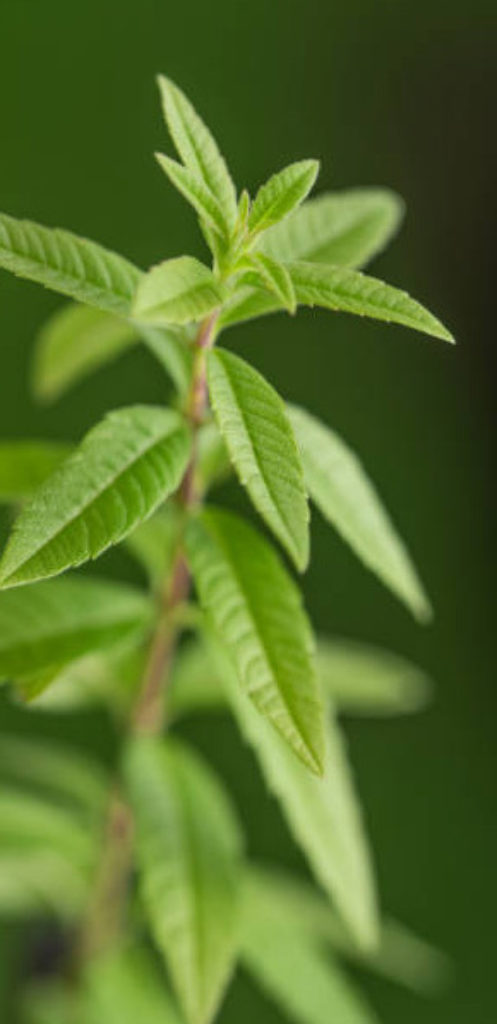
(148, 865)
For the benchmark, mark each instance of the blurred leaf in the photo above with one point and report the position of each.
(281, 194)
(338, 288)
(198, 149)
(45, 626)
(257, 613)
(295, 972)
(124, 468)
(70, 778)
(323, 814)
(344, 228)
(346, 497)
(24, 465)
(195, 683)
(365, 680)
(125, 987)
(35, 823)
(53, 1002)
(253, 422)
(401, 956)
(177, 291)
(68, 264)
(73, 343)
(213, 461)
(40, 881)
(189, 852)
(109, 678)
(275, 278)
(195, 192)
(154, 543)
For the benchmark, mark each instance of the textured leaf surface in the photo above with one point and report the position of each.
(281, 194)
(177, 292)
(125, 987)
(189, 852)
(401, 955)
(50, 624)
(344, 228)
(253, 422)
(195, 192)
(276, 279)
(338, 288)
(73, 343)
(366, 680)
(339, 486)
(123, 469)
(24, 465)
(68, 264)
(322, 813)
(257, 613)
(294, 970)
(197, 148)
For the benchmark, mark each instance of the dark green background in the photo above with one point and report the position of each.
(384, 93)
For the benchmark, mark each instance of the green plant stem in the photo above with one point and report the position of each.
(106, 913)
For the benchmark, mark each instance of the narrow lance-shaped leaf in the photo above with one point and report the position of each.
(123, 469)
(276, 278)
(195, 192)
(401, 955)
(338, 288)
(52, 623)
(344, 228)
(257, 613)
(281, 194)
(178, 291)
(68, 264)
(323, 813)
(197, 148)
(253, 422)
(189, 856)
(295, 971)
(24, 465)
(73, 343)
(126, 987)
(365, 680)
(346, 497)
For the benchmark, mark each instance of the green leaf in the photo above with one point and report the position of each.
(338, 288)
(73, 343)
(69, 778)
(46, 626)
(195, 682)
(213, 462)
(124, 468)
(198, 149)
(67, 264)
(33, 823)
(253, 422)
(189, 853)
(276, 279)
(40, 881)
(125, 987)
(281, 194)
(24, 465)
(155, 542)
(294, 970)
(323, 814)
(177, 292)
(257, 613)
(364, 680)
(195, 192)
(52, 1002)
(344, 228)
(338, 485)
(401, 955)
(107, 678)
(172, 349)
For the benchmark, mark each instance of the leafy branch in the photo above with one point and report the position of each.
(142, 477)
